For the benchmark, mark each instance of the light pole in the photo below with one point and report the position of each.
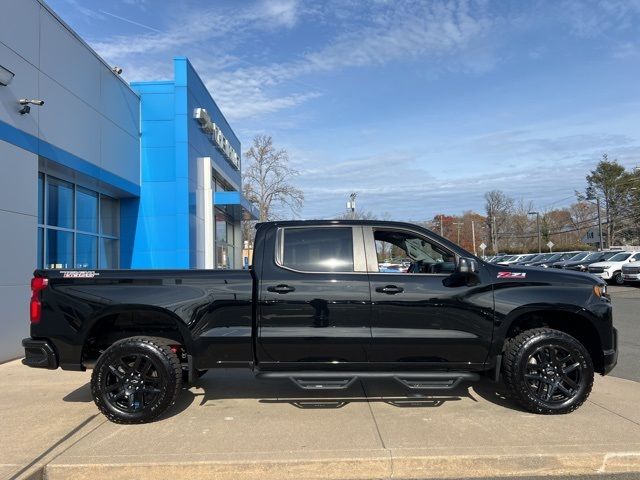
(537, 214)
(459, 225)
(351, 205)
(473, 236)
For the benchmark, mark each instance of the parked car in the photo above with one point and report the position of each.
(583, 265)
(314, 308)
(557, 257)
(611, 270)
(513, 259)
(540, 259)
(577, 257)
(532, 258)
(631, 272)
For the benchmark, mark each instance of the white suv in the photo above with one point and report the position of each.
(631, 272)
(611, 270)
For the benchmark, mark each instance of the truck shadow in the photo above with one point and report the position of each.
(229, 384)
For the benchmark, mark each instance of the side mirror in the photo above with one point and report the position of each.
(467, 265)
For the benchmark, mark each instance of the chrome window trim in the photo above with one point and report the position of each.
(358, 249)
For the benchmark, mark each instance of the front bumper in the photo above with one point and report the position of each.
(39, 354)
(604, 275)
(631, 277)
(610, 357)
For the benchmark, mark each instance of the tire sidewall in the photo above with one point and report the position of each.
(568, 343)
(160, 362)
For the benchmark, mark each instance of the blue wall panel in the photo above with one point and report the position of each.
(172, 140)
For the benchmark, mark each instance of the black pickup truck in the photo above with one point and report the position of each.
(316, 307)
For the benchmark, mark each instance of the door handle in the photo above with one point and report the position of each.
(281, 289)
(390, 289)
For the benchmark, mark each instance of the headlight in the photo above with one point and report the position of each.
(600, 290)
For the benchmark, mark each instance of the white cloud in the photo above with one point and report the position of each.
(394, 32)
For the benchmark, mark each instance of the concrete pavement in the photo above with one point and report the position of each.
(235, 426)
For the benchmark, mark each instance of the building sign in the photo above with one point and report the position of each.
(217, 137)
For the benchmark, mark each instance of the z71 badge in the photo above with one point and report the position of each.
(79, 274)
(512, 274)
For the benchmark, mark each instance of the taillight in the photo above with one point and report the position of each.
(35, 307)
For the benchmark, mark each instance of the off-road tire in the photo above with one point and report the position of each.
(520, 371)
(114, 376)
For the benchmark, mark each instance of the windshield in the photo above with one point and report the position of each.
(620, 257)
(557, 256)
(593, 256)
(579, 256)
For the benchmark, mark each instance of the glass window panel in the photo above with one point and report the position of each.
(109, 216)
(108, 253)
(230, 235)
(86, 251)
(40, 198)
(59, 249)
(59, 203)
(221, 229)
(86, 210)
(39, 259)
(318, 249)
(222, 257)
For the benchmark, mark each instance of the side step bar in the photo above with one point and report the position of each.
(312, 380)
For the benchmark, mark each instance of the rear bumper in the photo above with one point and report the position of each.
(39, 354)
(611, 356)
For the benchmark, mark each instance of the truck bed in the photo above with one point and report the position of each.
(210, 310)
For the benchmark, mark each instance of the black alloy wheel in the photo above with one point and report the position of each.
(547, 371)
(136, 379)
(132, 382)
(553, 374)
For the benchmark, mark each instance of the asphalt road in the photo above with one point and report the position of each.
(626, 318)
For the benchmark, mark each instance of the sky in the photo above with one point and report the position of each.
(420, 107)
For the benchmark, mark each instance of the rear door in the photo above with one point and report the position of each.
(314, 301)
(418, 316)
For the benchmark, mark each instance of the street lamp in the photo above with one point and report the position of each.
(537, 214)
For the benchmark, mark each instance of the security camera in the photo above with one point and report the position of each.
(26, 101)
(117, 70)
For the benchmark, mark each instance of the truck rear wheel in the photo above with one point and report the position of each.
(135, 380)
(547, 371)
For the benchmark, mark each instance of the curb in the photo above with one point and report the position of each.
(388, 466)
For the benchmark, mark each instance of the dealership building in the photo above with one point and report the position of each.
(105, 174)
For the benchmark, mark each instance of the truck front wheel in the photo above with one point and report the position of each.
(547, 371)
(135, 380)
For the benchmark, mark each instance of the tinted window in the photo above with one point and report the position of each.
(86, 251)
(86, 210)
(59, 249)
(318, 249)
(109, 216)
(60, 203)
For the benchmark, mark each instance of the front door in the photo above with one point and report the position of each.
(418, 315)
(315, 305)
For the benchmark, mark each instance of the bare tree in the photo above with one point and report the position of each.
(499, 207)
(266, 181)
